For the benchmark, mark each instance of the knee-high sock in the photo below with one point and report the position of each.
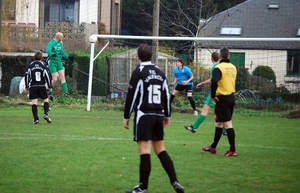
(65, 87)
(231, 138)
(145, 169)
(192, 103)
(218, 135)
(46, 108)
(34, 112)
(172, 98)
(168, 165)
(198, 121)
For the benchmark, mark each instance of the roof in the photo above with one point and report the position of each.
(256, 20)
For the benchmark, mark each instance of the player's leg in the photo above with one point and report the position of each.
(63, 82)
(34, 110)
(165, 159)
(33, 97)
(173, 95)
(44, 97)
(189, 94)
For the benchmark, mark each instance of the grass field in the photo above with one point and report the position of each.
(89, 152)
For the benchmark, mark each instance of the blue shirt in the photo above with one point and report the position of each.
(183, 74)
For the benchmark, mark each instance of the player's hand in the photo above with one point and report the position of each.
(126, 124)
(166, 121)
(184, 82)
(199, 85)
(214, 100)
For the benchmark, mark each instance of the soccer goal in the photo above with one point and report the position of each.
(281, 55)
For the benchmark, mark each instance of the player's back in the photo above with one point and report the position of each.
(36, 72)
(154, 88)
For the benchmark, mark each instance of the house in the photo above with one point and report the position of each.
(258, 19)
(39, 12)
(29, 24)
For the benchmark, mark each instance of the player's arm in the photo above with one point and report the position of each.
(167, 104)
(174, 82)
(216, 76)
(130, 99)
(49, 49)
(203, 83)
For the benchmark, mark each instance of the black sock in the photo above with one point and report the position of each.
(218, 135)
(172, 98)
(34, 112)
(145, 169)
(168, 165)
(46, 108)
(192, 102)
(231, 138)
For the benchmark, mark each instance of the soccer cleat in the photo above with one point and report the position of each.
(230, 153)
(51, 98)
(196, 113)
(177, 187)
(47, 118)
(35, 121)
(209, 149)
(190, 128)
(67, 94)
(225, 133)
(136, 189)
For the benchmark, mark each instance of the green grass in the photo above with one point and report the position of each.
(91, 152)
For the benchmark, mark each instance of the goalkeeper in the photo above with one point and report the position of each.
(56, 53)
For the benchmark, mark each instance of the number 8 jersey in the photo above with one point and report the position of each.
(37, 75)
(148, 91)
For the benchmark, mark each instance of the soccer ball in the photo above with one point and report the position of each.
(93, 38)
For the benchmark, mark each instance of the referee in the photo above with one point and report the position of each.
(222, 94)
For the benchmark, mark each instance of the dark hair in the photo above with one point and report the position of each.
(224, 53)
(38, 55)
(215, 56)
(181, 61)
(145, 52)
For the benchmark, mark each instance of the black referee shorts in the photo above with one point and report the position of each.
(224, 108)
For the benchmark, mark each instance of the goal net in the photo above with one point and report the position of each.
(281, 56)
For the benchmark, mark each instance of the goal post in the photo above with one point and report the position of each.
(254, 50)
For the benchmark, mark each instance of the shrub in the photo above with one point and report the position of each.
(265, 72)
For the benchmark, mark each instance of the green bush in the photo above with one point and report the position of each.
(265, 72)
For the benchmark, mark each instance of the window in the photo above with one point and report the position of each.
(293, 63)
(9, 10)
(273, 6)
(231, 31)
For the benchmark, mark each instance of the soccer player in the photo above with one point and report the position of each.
(222, 95)
(208, 102)
(148, 95)
(56, 53)
(183, 78)
(36, 79)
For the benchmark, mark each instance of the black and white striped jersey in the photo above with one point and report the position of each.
(148, 91)
(37, 74)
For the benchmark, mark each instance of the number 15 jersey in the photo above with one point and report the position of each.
(148, 91)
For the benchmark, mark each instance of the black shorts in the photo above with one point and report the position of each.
(148, 126)
(224, 108)
(38, 92)
(188, 88)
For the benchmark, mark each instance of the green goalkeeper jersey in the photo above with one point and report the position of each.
(56, 48)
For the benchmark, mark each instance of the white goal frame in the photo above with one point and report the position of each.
(94, 37)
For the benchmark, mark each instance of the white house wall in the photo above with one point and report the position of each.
(88, 11)
(276, 59)
(27, 11)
